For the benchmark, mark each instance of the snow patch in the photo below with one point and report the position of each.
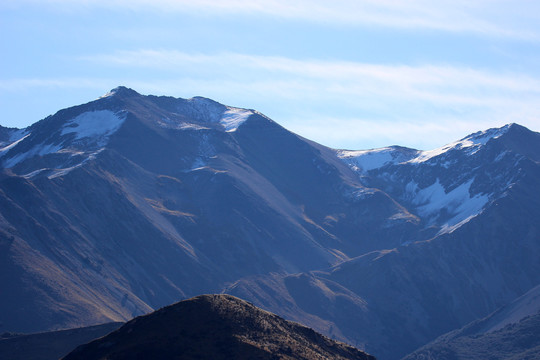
(94, 124)
(18, 135)
(38, 150)
(458, 203)
(366, 160)
(198, 164)
(56, 172)
(12, 145)
(232, 118)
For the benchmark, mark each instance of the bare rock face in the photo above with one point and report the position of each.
(214, 327)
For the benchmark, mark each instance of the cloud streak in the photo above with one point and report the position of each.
(337, 103)
(427, 83)
(497, 18)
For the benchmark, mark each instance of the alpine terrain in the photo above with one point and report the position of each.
(123, 205)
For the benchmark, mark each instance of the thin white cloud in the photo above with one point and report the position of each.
(515, 19)
(430, 83)
(332, 102)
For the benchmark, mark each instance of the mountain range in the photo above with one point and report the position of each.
(117, 207)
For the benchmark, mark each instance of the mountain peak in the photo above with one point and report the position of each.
(482, 137)
(121, 91)
(215, 327)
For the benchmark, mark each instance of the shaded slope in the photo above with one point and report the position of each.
(517, 341)
(214, 327)
(413, 293)
(511, 332)
(50, 345)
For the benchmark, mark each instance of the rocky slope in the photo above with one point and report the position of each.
(214, 327)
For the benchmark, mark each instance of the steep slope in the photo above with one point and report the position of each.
(447, 187)
(50, 345)
(413, 293)
(509, 333)
(214, 327)
(128, 203)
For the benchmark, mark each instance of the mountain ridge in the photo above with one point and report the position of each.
(214, 327)
(162, 202)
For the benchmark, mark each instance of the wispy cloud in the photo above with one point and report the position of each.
(429, 83)
(337, 103)
(516, 19)
(325, 99)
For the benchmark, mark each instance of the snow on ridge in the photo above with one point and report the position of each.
(15, 140)
(366, 160)
(472, 142)
(38, 150)
(232, 118)
(94, 124)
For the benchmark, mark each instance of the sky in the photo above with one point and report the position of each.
(349, 74)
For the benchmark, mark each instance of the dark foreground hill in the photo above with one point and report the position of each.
(214, 327)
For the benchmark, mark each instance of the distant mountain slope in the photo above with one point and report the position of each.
(461, 271)
(449, 186)
(509, 333)
(214, 327)
(116, 207)
(50, 345)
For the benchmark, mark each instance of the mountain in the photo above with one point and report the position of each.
(128, 203)
(214, 327)
(449, 186)
(509, 333)
(50, 345)
(476, 250)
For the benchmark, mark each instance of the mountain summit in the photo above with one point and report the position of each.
(123, 205)
(105, 200)
(214, 327)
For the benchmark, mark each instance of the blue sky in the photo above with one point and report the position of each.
(348, 74)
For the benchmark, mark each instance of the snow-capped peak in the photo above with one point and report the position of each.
(119, 90)
(472, 143)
